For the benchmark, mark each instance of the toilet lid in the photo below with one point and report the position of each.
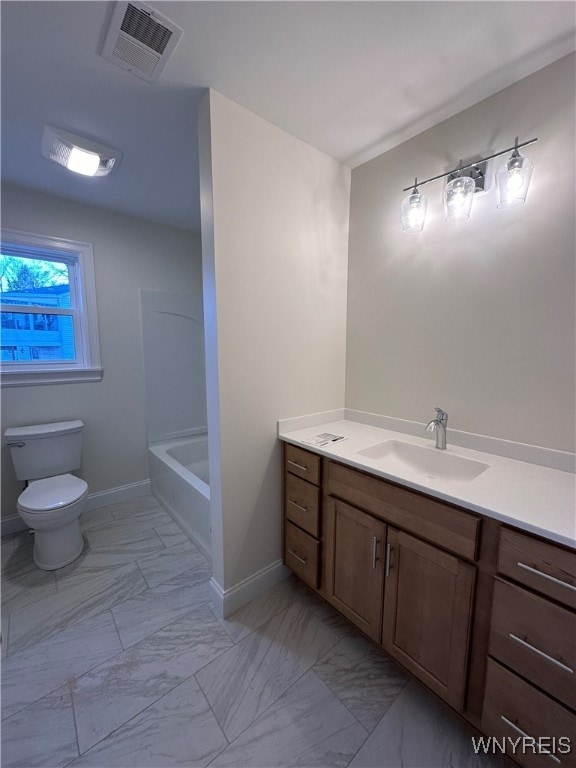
(52, 493)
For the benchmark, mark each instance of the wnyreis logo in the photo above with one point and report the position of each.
(523, 745)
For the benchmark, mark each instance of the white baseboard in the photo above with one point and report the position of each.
(226, 601)
(14, 523)
(116, 495)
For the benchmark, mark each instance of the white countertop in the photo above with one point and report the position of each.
(532, 497)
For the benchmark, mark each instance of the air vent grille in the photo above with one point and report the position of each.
(139, 39)
(141, 27)
(135, 56)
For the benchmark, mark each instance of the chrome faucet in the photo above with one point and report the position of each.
(438, 425)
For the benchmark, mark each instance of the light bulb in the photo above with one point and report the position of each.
(512, 181)
(82, 162)
(413, 211)
(415, 216)
(515, 181)
(458, 195)
(458, 199)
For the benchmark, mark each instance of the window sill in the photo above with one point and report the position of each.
(37, 378)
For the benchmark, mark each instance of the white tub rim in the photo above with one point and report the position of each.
(160, 450)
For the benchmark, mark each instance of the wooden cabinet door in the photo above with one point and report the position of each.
(427, 613)
(355, 545)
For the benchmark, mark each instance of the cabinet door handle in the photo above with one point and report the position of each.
(388, 558)
(300, 466)
(302, 509)
(291, 552)
(375, 558)
(527, 736)
(533, 648)
(546, 576)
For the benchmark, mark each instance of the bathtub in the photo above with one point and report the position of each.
(180, 481)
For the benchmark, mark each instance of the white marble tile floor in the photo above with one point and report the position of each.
(119, 661)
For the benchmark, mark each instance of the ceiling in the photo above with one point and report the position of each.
(350, 78)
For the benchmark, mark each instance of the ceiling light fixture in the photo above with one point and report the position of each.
(77, 153)
(512, 180)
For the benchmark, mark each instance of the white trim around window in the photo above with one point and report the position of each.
(85, 366)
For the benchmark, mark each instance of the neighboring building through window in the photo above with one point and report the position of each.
(49, 327)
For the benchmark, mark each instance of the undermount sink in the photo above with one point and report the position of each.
(430, 462)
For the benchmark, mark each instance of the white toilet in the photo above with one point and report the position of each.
(53, 500)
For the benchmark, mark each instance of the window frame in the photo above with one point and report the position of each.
(80, 260)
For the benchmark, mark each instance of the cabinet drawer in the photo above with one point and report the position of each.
(536, 638)
(303, 463)
(545, 567)
(302, 554)
(439, 523)
(514, 710)
(302, 505)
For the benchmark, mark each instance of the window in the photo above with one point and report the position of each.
(49, 330)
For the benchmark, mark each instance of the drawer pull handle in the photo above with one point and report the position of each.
(300, 466)
(527, 736)
(546, 576)
(302, 509)
(540, 653)
(375, 557)
(291, 552)
(388, 558)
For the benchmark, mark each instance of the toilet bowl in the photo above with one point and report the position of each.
(44, 455)
(52, 507)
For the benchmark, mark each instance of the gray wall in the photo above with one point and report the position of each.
(478, 317)
(130, 254)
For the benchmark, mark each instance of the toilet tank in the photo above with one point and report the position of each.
(44, 450)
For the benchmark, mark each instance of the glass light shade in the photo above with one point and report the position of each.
(513, 180)
(458, 196)
(413, 211)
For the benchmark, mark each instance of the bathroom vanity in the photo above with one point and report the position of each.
(478, 605)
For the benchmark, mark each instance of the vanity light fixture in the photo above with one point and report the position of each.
(512, 181)
(77, 153)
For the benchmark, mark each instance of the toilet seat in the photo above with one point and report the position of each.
(52, 493)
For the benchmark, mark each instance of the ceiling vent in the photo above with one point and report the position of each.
(140, 40)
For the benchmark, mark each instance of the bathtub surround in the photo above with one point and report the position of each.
(130, 255)
(274, 236)
(173, 344)
(136, 672)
